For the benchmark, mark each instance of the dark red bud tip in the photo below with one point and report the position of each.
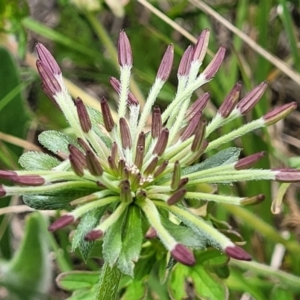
(124, 50)
(237, 253)
(46, 57)
(279, 113)
(2, 191)
(230, 101)
(151, 233)
(183, 255)
(287, 175)
(211, 70)
(61, 222)
(248, 161)
(34, 180)
(166, 64)
(185, 62)
(7, 174)
(250, 100)
(94, 235)
(83, 116)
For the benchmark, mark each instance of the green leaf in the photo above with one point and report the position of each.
(112, 242)
(56, 141)
(135, 290)
(132, 241)
(223, 157)
(76, 280)
(34, 160)
(279, 293)
(61, 197)
(14, 115)
(206, 286)
(87, 223)
(183, 234)
(29, 272)
(83, 294)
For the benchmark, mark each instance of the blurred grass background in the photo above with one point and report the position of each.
(83, 42)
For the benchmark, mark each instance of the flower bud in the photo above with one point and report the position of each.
(183, 255)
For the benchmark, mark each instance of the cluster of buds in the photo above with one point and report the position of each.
(116, 167)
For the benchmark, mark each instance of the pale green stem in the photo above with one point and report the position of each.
(265, 270)
(108, 283)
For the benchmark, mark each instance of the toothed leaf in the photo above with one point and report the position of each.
(37, 161)
(132, 241)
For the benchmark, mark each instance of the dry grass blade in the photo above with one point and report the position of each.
(278, 63)
(18, 142)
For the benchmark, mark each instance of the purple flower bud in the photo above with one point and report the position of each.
(249, 101)
(183, 255)
(151, 233)
(106, 115)
(93, 164)
(176, 197)
(249, 161)
(83, 144)
(197, 106)
(237, 253)
(182, 182)
(77, 154)
(139, 156)
(124, 50)
(83, 116)
(115, 83)
(161, 143)
(287, 175)
(253, 200)
(34, 180)
(201, 46)
(112, 164)
(213, 67)
(185, 62)
(279, 113)
(49, 94)
(125, 134)
(199, 136)
(47, 59)
(192, 126)
(76, 165)
(152, 165)
(114, 152)
(125, 194)
(230, 101)
(176, 176)
(50, 82)
(156, 122)
(94, 234)
(2, 191)
(161, 168)
(165, 67)
(61, 222)
(7, 174)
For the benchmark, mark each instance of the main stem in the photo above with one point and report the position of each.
(108, 283)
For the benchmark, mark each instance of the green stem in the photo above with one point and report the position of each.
(108, 283)
(290, 280)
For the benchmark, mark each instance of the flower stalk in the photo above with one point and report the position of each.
(128, 174)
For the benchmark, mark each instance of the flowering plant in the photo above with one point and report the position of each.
(122, 181)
